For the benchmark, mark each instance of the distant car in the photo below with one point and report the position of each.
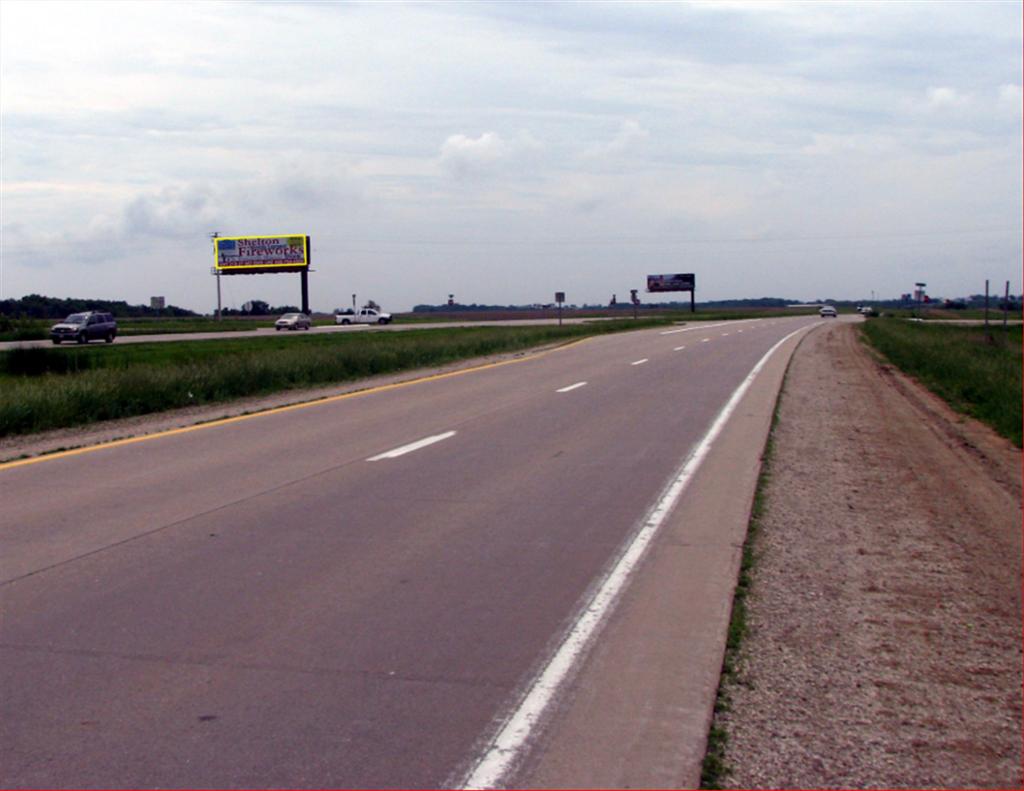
(92, 325)
(293, 321)
(866, 310)
(827, 312)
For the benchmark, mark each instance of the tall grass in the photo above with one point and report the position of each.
(977, 371)
(45, 388)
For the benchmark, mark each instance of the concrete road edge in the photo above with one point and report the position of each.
(637, 713)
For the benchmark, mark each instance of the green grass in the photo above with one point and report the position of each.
(47, 387)
(714, 769)
(977, 372)
(995, 316)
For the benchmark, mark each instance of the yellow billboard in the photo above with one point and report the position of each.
(253, 254)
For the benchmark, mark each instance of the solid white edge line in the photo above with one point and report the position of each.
(570, 387)
(505, 749)
(640, 362)
(395, 453)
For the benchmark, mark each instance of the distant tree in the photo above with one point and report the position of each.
(39, 307)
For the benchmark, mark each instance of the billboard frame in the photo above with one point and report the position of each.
(257, 268)
(679, 281)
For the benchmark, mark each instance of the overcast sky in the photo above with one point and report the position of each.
(502, 151)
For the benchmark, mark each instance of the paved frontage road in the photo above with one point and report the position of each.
(269, 331)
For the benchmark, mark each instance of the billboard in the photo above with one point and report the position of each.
(678, 282)
(253, 254)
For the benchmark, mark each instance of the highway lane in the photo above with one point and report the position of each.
(258, 603)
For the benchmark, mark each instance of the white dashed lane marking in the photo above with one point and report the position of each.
(422, 443)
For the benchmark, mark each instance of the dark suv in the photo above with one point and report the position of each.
(84, 327)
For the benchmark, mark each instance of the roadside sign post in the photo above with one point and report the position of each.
(559, 298)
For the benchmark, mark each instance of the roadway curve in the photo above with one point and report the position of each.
(280, 601)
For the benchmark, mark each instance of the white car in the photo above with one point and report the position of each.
(827, 312)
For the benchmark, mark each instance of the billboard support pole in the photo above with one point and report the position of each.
(216, 270)
(305, 291)
(693, 304)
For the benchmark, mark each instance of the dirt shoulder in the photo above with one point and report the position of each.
(885, 613)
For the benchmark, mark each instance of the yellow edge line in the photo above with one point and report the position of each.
(276, 410)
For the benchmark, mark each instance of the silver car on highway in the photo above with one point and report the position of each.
(293, 321)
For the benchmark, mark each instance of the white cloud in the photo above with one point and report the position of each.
(462, 156)
(1010, 95)
(945, 97)
(630, 135)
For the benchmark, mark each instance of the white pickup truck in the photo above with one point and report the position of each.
(361, 316)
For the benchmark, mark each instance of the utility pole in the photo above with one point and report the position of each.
(1006, 305)
(216, 271)
(986, 306)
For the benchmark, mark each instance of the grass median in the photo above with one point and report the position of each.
(45, 388)
(976, 370)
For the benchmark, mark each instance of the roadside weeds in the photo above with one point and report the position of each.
(714, 768)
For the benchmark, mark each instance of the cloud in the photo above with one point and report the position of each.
(430, 140)
(173, 212)
(1010, 95)
(465, 157)
(630, 135)
(945, 97)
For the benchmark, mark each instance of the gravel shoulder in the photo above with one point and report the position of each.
(884, 643)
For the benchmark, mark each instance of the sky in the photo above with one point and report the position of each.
(503, 151)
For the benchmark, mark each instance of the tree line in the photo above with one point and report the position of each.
(36, 306)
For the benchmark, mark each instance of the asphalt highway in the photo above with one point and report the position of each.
(263, 332)
(352, 593)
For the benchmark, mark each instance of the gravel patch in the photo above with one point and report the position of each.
(884, 644)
